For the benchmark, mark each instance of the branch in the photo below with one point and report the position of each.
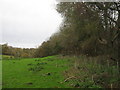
(102, 41)
(113, 9)
(100, 6)
(69, 78)
(115, 37)
(117, 5)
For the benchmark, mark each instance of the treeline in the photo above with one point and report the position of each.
(18, 52)
(91, 29)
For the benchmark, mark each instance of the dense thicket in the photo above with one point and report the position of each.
(88, 28)
(17, 52)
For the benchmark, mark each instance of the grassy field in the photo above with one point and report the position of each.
(60, 72)
(34, 73)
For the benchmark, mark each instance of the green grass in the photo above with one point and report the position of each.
(6, 57)
(60, 72)
(18, 74)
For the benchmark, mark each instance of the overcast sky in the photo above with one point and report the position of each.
(27, 23)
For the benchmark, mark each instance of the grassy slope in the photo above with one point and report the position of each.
(17, 75)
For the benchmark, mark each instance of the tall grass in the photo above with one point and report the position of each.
(93, 72)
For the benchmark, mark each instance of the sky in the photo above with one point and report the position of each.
(27, 23)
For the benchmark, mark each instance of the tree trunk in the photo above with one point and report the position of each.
(119, 39)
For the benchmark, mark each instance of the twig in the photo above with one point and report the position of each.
(69, 78)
